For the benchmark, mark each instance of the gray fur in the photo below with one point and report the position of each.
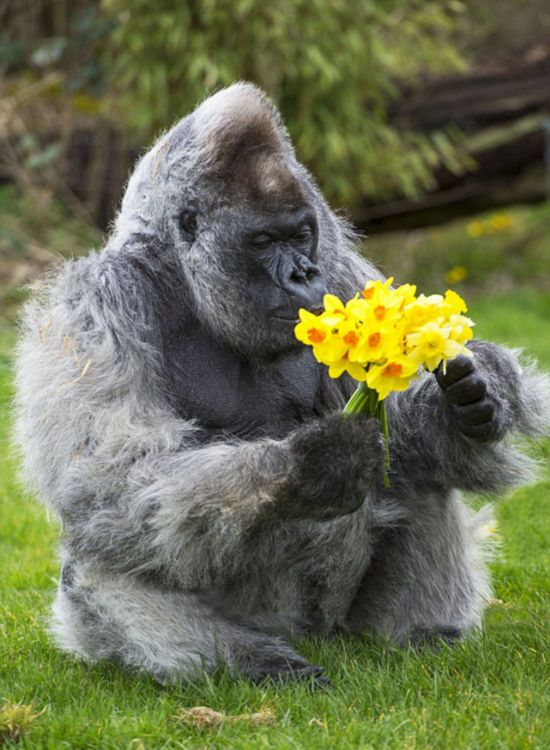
(186, 547)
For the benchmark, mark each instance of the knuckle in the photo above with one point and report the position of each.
(480, 433)
(477, 413)
(455, 370)
(467, 390)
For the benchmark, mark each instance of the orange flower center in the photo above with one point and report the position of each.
(393, 370)
(351, 338)
(367, 293)
(315, 335)
(380, 312)
(374, 340)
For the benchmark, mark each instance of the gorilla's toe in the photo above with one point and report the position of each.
(432, 637)
(284, 673)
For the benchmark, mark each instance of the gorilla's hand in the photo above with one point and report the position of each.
(334, 463)
(476, 407)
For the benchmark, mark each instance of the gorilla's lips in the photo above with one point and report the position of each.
(285, 319)
(295, 318)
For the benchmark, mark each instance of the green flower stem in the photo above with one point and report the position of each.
(365, 399)
(360, 400)
(383, 416)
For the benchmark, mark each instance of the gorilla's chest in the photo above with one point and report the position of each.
(227, 394)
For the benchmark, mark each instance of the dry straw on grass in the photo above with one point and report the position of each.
(15, 719)
(202, 717)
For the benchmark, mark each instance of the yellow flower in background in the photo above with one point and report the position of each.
(456, 274)
(500, 222)
(475, 228)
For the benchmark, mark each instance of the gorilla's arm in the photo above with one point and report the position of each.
(135, 488)
(165, 504)
(455, 430)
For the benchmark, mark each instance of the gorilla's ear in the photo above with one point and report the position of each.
(187, 221)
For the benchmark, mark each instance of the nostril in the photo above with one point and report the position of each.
(303, 275)
(298, 277)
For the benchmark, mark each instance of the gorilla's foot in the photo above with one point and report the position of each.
(432, 637)
(281, 667)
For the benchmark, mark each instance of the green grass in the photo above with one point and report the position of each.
(490, 692)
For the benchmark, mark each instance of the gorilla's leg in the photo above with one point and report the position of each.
(171, 635)
(427, 579)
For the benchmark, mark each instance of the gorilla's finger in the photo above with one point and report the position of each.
(467, 390)
(481, 432)
(476, 413)
(455, 370)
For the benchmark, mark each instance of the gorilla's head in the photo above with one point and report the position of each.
(224, 192)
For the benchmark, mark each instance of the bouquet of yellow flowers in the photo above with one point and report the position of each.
(383, 337)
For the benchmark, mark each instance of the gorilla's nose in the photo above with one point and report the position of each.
(304, 282)
(310, 295)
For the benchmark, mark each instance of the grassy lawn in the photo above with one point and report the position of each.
(491, 692)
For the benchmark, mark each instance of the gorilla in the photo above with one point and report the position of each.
(214, 501)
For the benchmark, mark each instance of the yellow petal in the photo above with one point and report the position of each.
(332, 303)
(455, 302)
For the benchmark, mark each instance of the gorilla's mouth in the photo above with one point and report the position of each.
(293, 319)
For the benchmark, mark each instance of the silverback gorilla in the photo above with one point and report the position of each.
(212, 497)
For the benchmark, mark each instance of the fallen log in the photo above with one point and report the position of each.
(504, 110)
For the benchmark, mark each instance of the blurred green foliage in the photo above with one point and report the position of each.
(332, 66)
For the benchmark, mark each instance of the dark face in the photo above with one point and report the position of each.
(260, 246)
(278, 257)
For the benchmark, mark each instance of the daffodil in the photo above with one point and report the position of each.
(475, 228)
(357, 371)
(335, 311)
(376, 344)
(310, 330)
(461, 328)
(378, 291)
(383, 337)
(456, 274)
(422, 310)
(431, 345)
(384, 301)
(407, 294)
(395, 375)
(455, 302)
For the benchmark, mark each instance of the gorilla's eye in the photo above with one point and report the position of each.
(187, 221)
(303, 235)
(261, 241)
